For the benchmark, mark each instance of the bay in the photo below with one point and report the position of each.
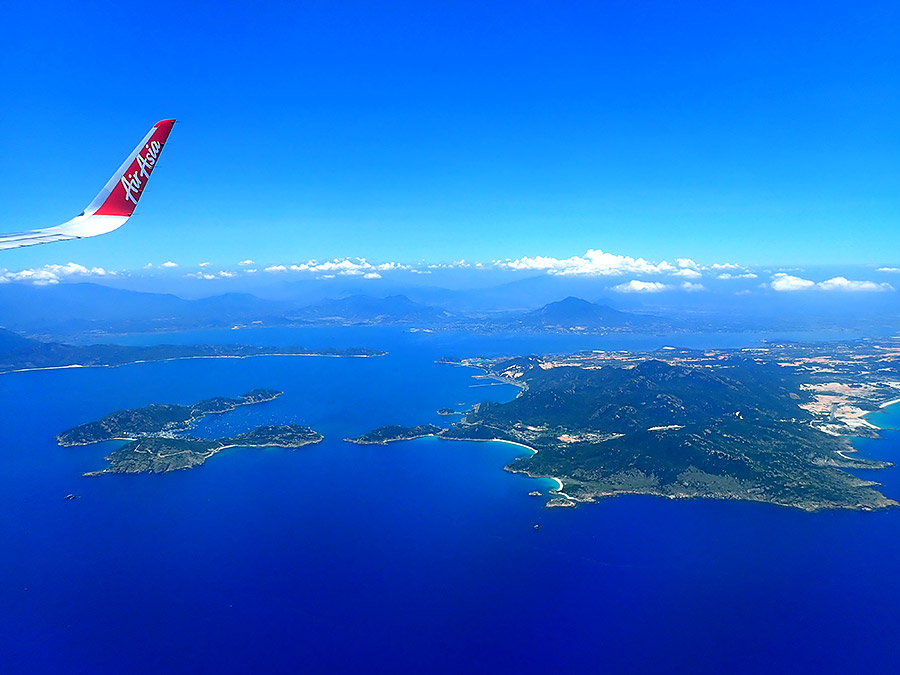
(418, 556)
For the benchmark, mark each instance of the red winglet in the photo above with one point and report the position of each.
(126, 187)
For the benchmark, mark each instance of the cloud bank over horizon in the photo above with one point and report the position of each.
(641, 275)
(787, 283)
(53, 274)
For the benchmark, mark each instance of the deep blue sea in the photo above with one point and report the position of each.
(419, 556)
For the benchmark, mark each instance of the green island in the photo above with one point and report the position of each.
(766, 425)
(154, 454)
(155, 443)
(392, 433)
(126, 425)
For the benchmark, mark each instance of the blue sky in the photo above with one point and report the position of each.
(753, 133)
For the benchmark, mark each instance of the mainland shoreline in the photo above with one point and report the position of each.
(189, 358)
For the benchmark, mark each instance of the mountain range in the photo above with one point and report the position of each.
(91, 309)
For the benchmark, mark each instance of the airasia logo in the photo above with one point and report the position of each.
(132, 182)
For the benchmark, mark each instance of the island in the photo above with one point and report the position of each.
(155, 418)
(18, 353)
(155, 435)
(447, 412)
(766, 425)
(153, 454)
(388, 434)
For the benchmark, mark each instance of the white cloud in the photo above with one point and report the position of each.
(250, 271)
(209, 276)
(169, 263)
(53, 274)
(344, 267)
(456, 264)
(597, 263)
(204, 264)
(889, 270)
(594, 262)
(371, 275)
(786, 282)
(635, 286)
(845, 284)
(745, 275)
(692, 287)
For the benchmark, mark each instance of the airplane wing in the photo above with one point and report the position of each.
(115, 203)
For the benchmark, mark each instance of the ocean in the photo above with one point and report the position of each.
(417, 556)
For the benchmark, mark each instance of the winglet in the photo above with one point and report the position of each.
(115, 203)
(120, 195)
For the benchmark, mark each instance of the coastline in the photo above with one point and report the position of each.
(207, 455)
(188, 358)
(882, 407)
(487, 375)
(859, 424)
(356, 441)
(558, 491)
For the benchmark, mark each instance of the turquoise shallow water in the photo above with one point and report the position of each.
(416, 556)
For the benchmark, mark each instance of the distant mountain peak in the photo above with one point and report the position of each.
(574, 310)
(572, 300)
(368, 308)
